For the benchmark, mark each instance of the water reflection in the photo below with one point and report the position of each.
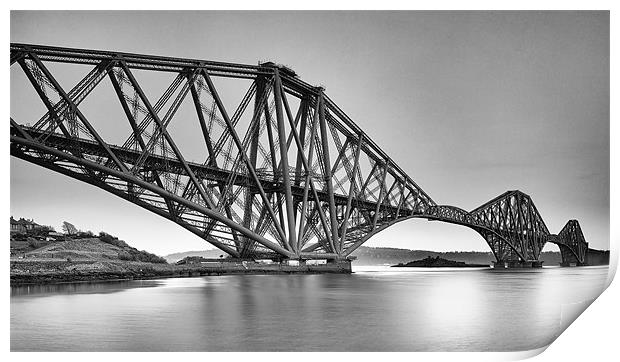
(377, 309)
(83, 287)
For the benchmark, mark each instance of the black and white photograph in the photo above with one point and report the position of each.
(307, 181)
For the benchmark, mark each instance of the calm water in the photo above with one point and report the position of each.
(374, 309)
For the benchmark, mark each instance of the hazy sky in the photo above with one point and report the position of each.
(469, 104)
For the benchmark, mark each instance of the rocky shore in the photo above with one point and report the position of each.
(40, 271)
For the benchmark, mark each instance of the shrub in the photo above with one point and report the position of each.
(128, 253)
(112, 240)
(123, 255)
(132, 254)
(35, 244)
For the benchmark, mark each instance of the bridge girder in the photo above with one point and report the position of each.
(285, 173)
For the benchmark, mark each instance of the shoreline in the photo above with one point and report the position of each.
(39, 272)
(61, 279)
(443, 266)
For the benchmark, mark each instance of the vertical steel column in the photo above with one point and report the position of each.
(304, 204)
(249, 196)
(381, 194)
(274, 165)
(302, 137)
(286, 180)
(347, 214)
(328, 173)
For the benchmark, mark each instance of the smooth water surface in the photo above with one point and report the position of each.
(374, 309)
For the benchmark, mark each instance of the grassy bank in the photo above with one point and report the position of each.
(85, 259)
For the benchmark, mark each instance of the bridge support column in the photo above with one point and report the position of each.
(569, 258)
(331, 266)
(340, 265)
(568, 263)
(517, 264)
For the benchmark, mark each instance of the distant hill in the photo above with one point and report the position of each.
(213, 253)
(389, 256)
(381, 256)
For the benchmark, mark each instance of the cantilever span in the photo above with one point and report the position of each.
(281, 173)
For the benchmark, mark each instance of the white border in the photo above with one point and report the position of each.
(593, 336)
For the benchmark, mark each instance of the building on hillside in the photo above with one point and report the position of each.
(23, 226)
(54, 236)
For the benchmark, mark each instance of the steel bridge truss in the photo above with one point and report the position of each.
(572, 243)
(284, 172)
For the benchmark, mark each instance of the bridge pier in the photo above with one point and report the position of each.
(570, 259)
(517, 264)
(340, 265)
(569, 263)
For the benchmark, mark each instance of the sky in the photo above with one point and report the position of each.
(468, 104)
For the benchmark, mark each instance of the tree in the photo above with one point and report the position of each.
(68, 228)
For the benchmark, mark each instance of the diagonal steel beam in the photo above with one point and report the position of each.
(166, 135)
(347, 214)
(134, 127)
(240, 148)
(126, 176)
(79, 114)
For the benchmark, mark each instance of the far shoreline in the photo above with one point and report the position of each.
(438, 262)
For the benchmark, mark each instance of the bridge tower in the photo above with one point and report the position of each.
(572, 244)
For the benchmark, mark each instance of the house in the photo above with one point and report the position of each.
(54, 236)
(23, 226)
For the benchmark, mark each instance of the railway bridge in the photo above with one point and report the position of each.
(282, 173)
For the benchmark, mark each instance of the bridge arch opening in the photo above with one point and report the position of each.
(421, 234)
(551, 247)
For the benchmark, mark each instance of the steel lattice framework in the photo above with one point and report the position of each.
(286, 173)
(572, 243)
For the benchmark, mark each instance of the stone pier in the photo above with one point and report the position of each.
(517, 264)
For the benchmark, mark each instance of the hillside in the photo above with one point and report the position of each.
(103, 248)
(80, 249)
(208, 254)
(92, 258)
